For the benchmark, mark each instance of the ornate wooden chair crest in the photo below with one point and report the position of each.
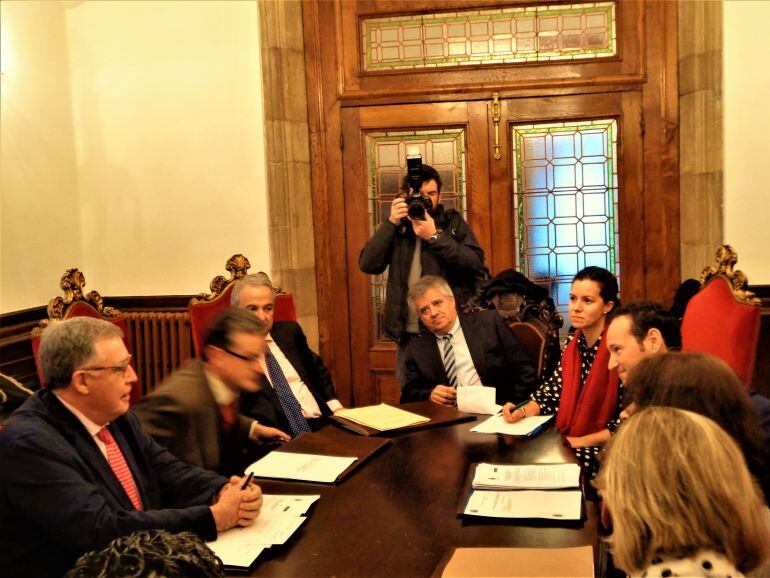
(75, 303)
(206, 306)
(723, 318)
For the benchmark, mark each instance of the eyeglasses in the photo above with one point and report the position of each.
(247, 358)
(117, 369)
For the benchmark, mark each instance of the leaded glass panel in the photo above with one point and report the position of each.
(443, 149)
(505, 35)
(565, 184)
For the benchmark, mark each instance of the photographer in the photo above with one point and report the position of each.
(439, 243)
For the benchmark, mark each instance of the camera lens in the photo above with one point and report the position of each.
(416, 208)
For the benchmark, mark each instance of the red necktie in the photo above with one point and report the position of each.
(229, 415)
(120, 467)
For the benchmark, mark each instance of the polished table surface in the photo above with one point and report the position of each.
(397, 514)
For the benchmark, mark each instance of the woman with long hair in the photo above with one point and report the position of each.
(680, 499)
(583, 393)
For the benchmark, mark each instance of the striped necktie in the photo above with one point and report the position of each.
(286, 397)
(449, 360)
(120, 467)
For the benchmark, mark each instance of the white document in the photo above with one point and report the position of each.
(477, 399)
(287, 505)
(305, 467)
(524, 427)
(551, 505)
(382, 417)
(241, 546)
(526, 477)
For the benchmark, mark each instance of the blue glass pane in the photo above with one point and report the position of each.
(565, 206)
(595, 234)
(564, 176)
(534, 178)
(593, 204)
(538, 266)
(567, 264)
(534, 148)
(562, 293)
(597, 259)
(538, 237)
(594, 175)
(536, 206)
(593, 144)
(566, 234)
(564, 146)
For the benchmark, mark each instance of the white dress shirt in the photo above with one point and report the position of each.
(90, 426)
(307, 402)
(466, 371)
(223, 395)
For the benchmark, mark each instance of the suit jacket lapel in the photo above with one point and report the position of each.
(474, 341)
(433, 354)
(87, 449)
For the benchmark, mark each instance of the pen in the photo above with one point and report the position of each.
(517, 406)
(246, 483)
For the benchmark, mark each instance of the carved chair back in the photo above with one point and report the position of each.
(723, 318)
(75, 303)
(206, 306)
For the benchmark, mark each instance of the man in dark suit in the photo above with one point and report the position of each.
(461, 350)
(195, 412)
(299, 392)
(78, 471)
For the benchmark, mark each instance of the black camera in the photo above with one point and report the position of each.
(416, 203)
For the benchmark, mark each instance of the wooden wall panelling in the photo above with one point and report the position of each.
(328, 205)
(398, 85)
(661, 151)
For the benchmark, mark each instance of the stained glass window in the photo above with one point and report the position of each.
(443, 149)
(565, 184)
(514, 34)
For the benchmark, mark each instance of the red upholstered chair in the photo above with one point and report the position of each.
(76, 304)
(722, 318)
(206, 306)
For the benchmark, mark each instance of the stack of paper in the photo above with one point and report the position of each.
(527, 491)
(382, 417)
(526, 477)
(524, 427)
(279, 519)
(305, 467)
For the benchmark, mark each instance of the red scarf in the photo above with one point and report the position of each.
(586, 408)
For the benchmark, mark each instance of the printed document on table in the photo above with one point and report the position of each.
(526, 477)
(551, 505)
(477, 399)
(242, 545)
(382, 417)
(305, 467)
(524, 427)
(288, 505)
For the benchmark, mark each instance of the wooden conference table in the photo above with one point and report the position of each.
(396, 515)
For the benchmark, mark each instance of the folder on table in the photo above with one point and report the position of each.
(430, 414)
(515, 562)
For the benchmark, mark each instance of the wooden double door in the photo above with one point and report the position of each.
(520, 171)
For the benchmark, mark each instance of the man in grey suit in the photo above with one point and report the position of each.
(195, 413)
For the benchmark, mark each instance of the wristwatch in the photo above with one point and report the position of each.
(434, 236)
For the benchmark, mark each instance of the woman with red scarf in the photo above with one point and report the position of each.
(583, 393)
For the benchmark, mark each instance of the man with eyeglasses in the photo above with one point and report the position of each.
(195, 413)
(77, 471)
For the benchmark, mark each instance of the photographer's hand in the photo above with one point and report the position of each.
(398, 210)
(424, 229)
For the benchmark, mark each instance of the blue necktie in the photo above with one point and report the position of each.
(289, 403)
